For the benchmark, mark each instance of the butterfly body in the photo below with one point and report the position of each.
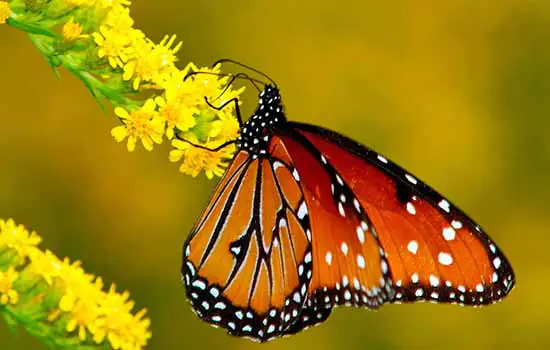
(306, 219)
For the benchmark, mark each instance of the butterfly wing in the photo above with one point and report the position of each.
(349, 264)
(434, 250)
(247, 264)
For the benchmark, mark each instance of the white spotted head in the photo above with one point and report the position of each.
(256, 131)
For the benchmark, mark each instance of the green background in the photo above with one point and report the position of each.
(456, 91)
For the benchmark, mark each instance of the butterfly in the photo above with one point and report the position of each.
(306, 219)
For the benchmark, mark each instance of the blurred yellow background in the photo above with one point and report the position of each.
(456, 91)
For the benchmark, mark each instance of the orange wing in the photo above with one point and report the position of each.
(435, 251)
(247, 264)
(349, 264)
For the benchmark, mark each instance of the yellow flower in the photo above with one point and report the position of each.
(118, 325)
(7, 294)
(112, 44)
(18, 238)
(227, 128)
(151, 62)
(46, 265)
(118, 18)
(72, 31)
(5, 12)
(197, 159)
(143, 124)
(176, 114)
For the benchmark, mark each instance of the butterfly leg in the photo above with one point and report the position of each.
(235, 101)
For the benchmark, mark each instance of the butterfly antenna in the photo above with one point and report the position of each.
(240, 76)
(233, 77)
(223, 60)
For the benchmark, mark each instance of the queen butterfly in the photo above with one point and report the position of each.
(306, 219)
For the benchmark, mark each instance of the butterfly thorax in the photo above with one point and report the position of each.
(257, 130)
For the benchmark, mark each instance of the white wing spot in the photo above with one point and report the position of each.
(445, 259)
(328, 258)
(345, 281)
(339, 179)
(344, 248)
(347, 295)
(360, 235)
(449, 233)
(302, 211)
(382, 159)
(384, 266)
(323, 159)
(236, 250)
(199, 284)
(479, 288)
(414, 278)
(412, 246)
(360, 261)
(295, 174)
(307, 258)
(434, 281)
(364, 226)
(496, 262)
(419, 292)
(443, 204)
(410, 208)
(456, 224)
(411, 179)
(341, 209)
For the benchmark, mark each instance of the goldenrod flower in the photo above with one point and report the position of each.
(7, 294)
(18, 238)
(151, 61)
(120, 58)
(197, 159)
(144, 124)
(112, 45)
(72, 30)
(5, 11)
(227, 128)
(46, 265)
(58, 296)
(118, 325)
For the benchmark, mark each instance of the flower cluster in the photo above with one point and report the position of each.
(57, 300)
(153, 99)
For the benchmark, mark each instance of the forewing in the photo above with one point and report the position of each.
(247, 264)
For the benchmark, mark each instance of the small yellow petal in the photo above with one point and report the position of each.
(131, 143)
(122, 113)
(119, 133)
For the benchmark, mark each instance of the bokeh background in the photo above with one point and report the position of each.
(456, 91)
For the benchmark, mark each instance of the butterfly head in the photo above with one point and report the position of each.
(257, 130)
